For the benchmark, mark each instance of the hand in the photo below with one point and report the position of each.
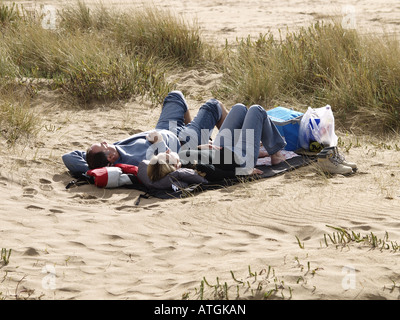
(209, 146)
(154, 137)
(257, 171)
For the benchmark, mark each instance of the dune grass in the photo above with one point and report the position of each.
(99, 54)
(84, 65)
(94, 54)
(148, 32)
(358, 76)
(8, 13)
(270, 284)
(17, 121)
(5, 256)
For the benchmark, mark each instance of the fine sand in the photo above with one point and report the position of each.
(91, 243)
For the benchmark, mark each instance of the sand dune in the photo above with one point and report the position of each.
(90, 243)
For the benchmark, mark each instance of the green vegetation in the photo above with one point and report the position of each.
(84, 63)
(262, 285)
(148, 32)
(17, 120)
(5, 256)
(318, 65)
(265, 284)
(268, 283)
(8, 13)
(98, 54)
(342, 237)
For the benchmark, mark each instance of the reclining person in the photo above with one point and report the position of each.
(234, 151)
(175, 126)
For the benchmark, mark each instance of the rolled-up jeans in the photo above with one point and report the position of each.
(199, 130)
(171, 118)
(244, 129)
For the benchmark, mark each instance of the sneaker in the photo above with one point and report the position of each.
(343, 161)
(330, 161)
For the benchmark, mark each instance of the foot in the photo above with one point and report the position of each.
(263, 154)
(277, 158)
(223, 116)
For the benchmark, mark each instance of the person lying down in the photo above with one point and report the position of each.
(234, 152)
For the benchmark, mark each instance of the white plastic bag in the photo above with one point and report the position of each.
(318, 125)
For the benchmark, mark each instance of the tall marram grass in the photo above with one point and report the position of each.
(17, 121)
(93, 54)
(98, 54)
(146, 32)
(8, 13)
(358, 76)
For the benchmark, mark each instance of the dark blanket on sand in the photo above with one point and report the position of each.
(268, 172)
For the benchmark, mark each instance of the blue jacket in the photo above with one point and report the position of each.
(132, 151)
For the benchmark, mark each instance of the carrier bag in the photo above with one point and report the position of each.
(287, 121)
(318, 125)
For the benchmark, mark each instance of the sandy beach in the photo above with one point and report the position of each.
(92, 243)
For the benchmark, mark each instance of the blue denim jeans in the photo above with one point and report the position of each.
(244, 129)
(199, 130)
(134, 149)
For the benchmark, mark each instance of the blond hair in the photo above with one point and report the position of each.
(158, 168)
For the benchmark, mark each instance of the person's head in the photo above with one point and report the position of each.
(101, 155)
(162, 164)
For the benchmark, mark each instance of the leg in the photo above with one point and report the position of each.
(235, 117)
(233, 122)
(272, 140)
(175, 113)
(257, 126)
(199, 130)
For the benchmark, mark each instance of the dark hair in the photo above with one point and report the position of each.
(96, 160)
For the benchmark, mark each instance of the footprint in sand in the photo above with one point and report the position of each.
(127, 208)
(3, 181)
(151, 206)
(45, 185)
(84, 196)
(114, 237)
(77, 144)
(31, 252)
(33, 208)
(29, 192)
(56, 211)
(21, 162)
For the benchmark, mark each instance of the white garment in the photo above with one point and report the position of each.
(266, 161)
